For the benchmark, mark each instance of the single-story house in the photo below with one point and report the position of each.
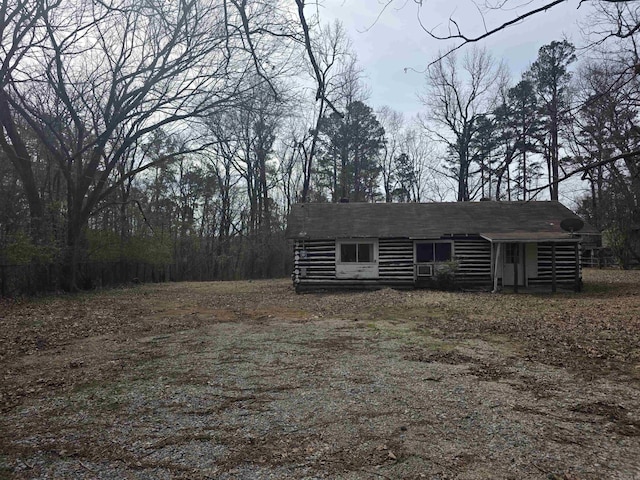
(476, 244)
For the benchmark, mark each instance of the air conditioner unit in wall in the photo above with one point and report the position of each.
(425, 270)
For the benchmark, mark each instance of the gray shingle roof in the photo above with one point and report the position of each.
(426, 220)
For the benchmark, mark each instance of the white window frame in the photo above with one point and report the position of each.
(433, 262)
(357, 270)
(352, 241)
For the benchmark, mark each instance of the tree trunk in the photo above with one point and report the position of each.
(69, 271)
(21, 160)
(308, 167)
(555, 164)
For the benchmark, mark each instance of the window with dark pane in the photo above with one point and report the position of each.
(424, 252)
(365, 253)
(428, 252)
(357, 253)
(442, 252)
(512, 253)
(348, 252)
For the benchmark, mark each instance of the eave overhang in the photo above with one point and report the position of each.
(529, 237)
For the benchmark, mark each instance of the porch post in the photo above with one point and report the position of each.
(495, 269)
(515, 269)
(553, 267)
(577, 273)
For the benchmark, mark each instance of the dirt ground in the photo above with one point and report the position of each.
(247, 380)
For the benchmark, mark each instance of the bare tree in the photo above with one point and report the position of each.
(255, 124)
(605, 125)
(222, 154)
(289, 173)
(417, 169)
(327, 54)
(21, 33)
(458, 96)
(494, 16)
(393, 123)
(99, 77)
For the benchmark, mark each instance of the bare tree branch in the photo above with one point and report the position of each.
(472, 39)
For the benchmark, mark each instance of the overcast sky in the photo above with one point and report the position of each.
(396, 41)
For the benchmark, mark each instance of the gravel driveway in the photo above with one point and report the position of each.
(247, 380)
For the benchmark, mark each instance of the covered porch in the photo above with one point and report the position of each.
(535, 261)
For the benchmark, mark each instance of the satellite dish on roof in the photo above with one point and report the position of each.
(571, 224)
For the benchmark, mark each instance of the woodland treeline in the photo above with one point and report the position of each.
(178, 134)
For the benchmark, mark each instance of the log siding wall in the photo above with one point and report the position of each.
(320, 261)
(396, 260)
(474, 261)
(565, 264)
(317, 269)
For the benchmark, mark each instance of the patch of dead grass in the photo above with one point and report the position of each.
(94, 347)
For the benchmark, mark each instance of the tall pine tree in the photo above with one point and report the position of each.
(349, 165)
(550, 76)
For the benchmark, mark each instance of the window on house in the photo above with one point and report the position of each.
(356, 253)
(512, 253)
(433, 252)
